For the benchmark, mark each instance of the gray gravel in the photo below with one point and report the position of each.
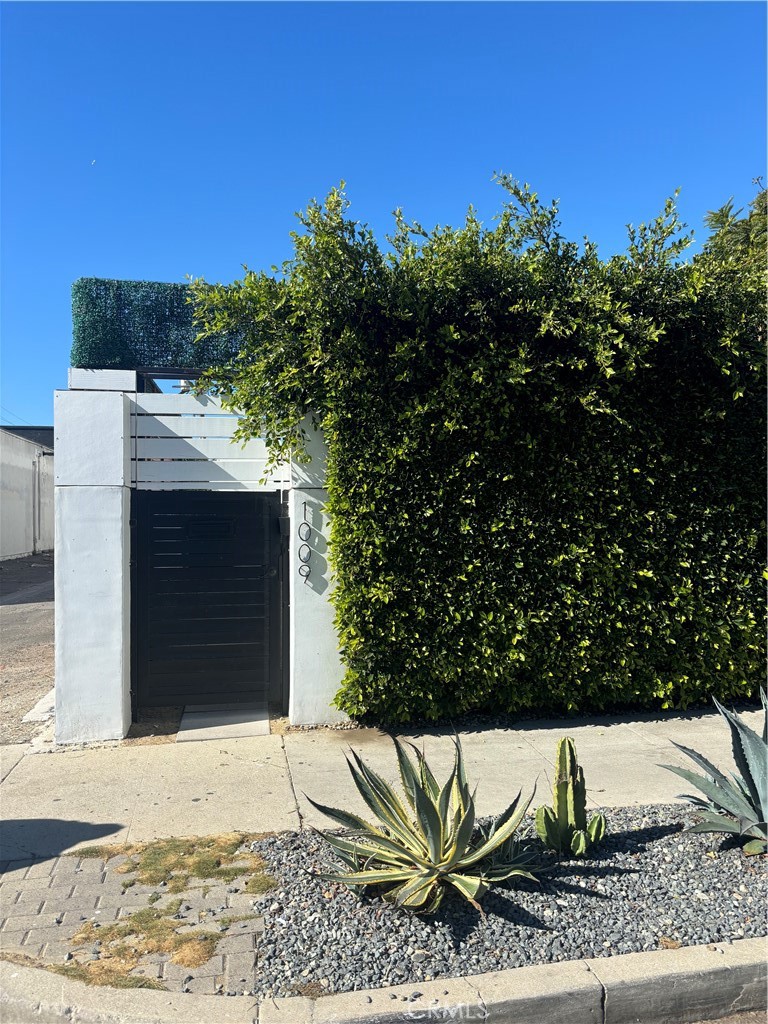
(648, 886)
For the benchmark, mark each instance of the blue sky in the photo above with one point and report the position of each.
(156, 140)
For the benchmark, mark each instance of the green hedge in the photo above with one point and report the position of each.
(546, 469)
(130, 324)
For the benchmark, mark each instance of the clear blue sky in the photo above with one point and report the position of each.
(155, 140)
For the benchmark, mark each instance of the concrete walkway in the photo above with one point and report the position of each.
(53, 802)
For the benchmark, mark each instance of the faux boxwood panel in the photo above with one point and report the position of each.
(131, 324)
(546, 469)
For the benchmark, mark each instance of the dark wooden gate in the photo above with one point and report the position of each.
(206, 598)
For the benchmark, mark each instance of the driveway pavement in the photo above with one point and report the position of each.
(26, 641)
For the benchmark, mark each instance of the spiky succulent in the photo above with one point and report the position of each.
(563, 826)
(428, 842)
(739, 804)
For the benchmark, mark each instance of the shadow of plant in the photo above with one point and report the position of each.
(461, 920)
(633, 840)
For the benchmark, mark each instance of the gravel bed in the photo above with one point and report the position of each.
(648, 886)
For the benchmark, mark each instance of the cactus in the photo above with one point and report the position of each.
(563, 827)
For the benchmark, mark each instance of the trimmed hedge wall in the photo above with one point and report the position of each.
(546, 470)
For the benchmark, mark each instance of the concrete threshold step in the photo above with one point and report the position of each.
(223, 722)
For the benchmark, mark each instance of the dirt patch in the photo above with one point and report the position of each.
(311, 990)
(160, 725)
(279, 725)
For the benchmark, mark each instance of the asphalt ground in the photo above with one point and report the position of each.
(26, 642)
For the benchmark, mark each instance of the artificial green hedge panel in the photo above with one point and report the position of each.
(130, 324)
(545, 468)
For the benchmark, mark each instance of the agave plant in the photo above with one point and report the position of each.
(738, 805)
(429, 842)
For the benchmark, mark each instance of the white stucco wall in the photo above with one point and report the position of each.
(316, 669)
(92, 432)
(94, 478)
(26, 497)
(92, 581)
(92, 589)
(45, 498)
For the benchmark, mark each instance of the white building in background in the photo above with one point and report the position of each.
(183, 575)
(26, 490)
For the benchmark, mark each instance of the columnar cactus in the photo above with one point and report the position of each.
(563, 827)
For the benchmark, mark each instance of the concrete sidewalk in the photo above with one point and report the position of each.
(53, 802)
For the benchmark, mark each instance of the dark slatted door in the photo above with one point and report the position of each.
(205, 576)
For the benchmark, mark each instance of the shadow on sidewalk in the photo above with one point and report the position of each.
(36, 838)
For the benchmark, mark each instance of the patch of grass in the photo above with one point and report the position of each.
(101, 852)
(176, 860)
(172, 863)
(260, 882)
(224, 874)
(115, 973)
(121, 952)
(22, 959)
(149, 931)
(98, 973)
(195, 950)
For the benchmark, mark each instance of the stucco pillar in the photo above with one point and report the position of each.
(316, 670)
(92, 574)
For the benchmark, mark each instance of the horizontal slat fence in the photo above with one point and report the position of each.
(184, 442)
(198, 448)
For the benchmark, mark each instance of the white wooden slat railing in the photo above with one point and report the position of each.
(175, 447)
(185, 426)
(184, 442)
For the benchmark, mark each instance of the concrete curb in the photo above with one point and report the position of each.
(661, 987)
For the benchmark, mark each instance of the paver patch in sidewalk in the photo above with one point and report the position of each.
(175, 914)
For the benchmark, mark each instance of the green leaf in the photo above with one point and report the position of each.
(751, 757)
(345, 818)
(372, 877)
(727, 797)
(506, 826)
(470, 886)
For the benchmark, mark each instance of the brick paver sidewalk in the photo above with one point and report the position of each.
(44, 903)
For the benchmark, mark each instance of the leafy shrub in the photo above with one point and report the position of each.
(563, 826)
(739, 805)
(420, 847)
(544, 468)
